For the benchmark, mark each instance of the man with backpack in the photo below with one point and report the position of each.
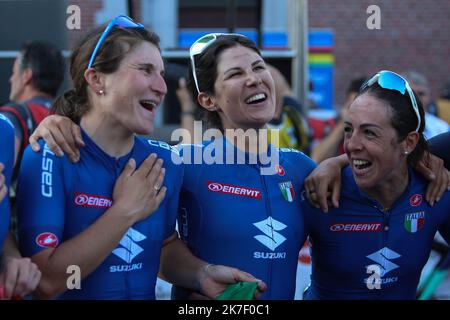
(37, 74)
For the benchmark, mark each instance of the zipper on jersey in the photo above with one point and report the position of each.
(117, 168)
(269, 211)
(386, 213)
(386, 224)
(386, 221)
(126, 274)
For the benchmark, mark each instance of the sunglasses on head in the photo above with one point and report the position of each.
(393, 81)
(200, 45)
(119, 21)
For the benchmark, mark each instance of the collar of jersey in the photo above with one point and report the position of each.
(111, 162)
(352, 191)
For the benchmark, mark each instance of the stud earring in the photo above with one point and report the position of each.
(100, 92)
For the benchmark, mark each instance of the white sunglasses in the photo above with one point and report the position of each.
(393, 81)
(200, 45)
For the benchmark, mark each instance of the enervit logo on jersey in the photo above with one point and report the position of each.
(356, 227)
(47, 172)
(271, 238)
(234, 190)
(92, 201)
(383, 258)
(129, 250)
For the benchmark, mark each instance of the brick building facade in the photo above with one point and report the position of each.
(414, 35)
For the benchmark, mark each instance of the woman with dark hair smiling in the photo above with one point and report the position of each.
(376, 243)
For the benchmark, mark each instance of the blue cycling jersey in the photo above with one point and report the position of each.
(360, 251)
(235, 216)
(7, 158)
(58, 200)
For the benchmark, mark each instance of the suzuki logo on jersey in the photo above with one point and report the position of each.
(130, 249)
(234, 190)
(414, 221)
(415, 200)
(47, 240)
(271, 238)
(287, 190)
(383, 258)
(92, 201)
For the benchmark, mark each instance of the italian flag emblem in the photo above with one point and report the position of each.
(414, 221)
(287, 190)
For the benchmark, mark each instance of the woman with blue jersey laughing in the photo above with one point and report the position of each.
(376, 243)
(105, 220)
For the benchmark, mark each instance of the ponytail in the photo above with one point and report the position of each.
(71, 104)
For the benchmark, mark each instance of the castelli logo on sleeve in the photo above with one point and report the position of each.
(280, 170)
(416, 200)
(240, 191)
(92, 201)
(47, 240)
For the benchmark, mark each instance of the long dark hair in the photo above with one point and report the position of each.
(119, 42)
